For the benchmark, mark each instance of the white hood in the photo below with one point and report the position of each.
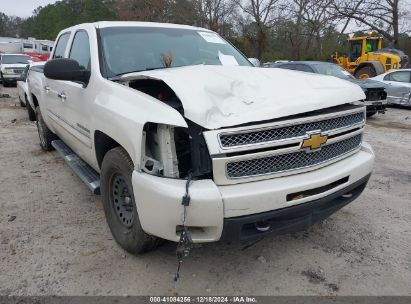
(223, 96)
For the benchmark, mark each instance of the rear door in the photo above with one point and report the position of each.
(52, 89)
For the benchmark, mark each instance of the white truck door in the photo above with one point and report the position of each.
(76, 101)
(52, 89)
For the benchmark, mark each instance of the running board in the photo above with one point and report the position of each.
(84, 171)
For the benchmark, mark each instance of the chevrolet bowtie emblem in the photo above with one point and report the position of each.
(315, 141)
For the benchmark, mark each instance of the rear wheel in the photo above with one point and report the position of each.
(120, 205)
(365, 72)
(45, 135)
(30, 111)
(22, 104)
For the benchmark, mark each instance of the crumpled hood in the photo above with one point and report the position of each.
(223, 96)
(368, 83)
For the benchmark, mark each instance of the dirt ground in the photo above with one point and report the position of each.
(54, 239)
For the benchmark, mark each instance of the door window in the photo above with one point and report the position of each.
(355, 49)
(80, 49)
(61, 46)
(401, 76)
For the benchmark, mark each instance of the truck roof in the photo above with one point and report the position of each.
(104, 24)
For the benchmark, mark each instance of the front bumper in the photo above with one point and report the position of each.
(290, 219)
(376, 106)
(11, 78)
(213, 207)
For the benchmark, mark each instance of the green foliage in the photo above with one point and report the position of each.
(48, 21)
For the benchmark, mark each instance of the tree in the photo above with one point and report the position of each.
(215, 14)
(381, 16)
(48, 21)
(263, 13)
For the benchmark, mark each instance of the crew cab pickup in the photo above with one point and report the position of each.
(178, 131)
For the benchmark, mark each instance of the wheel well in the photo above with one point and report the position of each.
(35, 102)
(103, 143)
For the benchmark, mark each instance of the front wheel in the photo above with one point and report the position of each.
(120, 205)
(45, 135)
(369, 114)
(365, 72)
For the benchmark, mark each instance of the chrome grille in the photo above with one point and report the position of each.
(291, 161)
(267, 135)
(375, 94)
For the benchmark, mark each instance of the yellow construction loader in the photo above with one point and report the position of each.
(367, 58)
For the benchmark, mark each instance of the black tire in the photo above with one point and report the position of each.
(30, 111)
(21, 103)
(5, 84)
(366, 70)
(45, 135)
(369, 114)
(116, 173)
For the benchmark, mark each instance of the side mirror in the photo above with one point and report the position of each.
(255, 62)
(66, 69)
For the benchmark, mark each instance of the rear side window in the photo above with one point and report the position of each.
(61, 46)
(80, 49)
(401, 76)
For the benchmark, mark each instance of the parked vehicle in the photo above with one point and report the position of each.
(22, 87)
(185, 140)
(11, 67)
(367, 58)
(376, 96)
(398, 86)
(38, 50)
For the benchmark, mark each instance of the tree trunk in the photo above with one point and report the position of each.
(395, 23)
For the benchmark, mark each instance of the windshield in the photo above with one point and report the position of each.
(371, 45)
(131, 49)
(333, 70)
(7, 59)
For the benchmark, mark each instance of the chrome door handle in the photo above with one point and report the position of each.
(62, 96)
(47, 88)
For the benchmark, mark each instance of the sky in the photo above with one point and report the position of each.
(22, 8)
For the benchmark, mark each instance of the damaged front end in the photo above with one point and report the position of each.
(170, 151)
(175, 152)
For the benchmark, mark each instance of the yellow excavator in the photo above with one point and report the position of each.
(367, 58)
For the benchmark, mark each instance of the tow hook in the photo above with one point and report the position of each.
(347, 195)
(262, 226)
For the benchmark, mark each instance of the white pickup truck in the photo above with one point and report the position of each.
(179, 132)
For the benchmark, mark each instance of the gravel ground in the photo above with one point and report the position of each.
(54, 239)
